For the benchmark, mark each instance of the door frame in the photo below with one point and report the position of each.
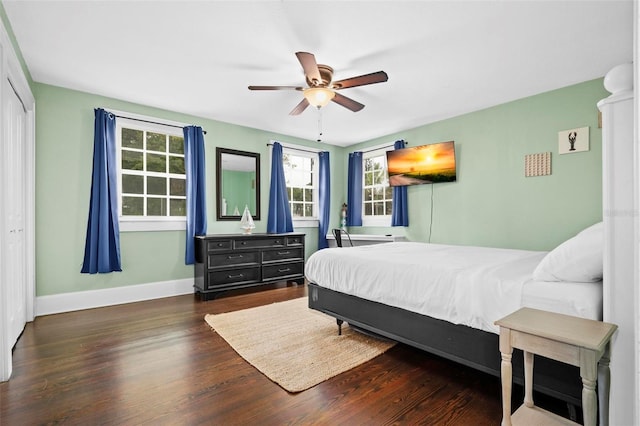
(11, 70)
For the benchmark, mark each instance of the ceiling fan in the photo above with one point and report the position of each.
(321, 89)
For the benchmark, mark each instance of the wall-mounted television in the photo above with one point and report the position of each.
(433, 163)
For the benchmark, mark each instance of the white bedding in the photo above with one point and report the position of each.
(466, 285)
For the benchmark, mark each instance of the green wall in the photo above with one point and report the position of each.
(492, 203)
(64, 150)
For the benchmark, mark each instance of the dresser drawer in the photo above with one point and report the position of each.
(215, 245)
(233, 258)
(282, 254)
(295, 241)
(282, 270)
(234, 276)
(258, 243)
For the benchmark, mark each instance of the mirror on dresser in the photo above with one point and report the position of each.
(237, 183)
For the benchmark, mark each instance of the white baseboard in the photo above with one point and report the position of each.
(76, 301)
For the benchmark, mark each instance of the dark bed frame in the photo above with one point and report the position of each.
(468, 346)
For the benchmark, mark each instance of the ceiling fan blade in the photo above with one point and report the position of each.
(310, 66)
(276, 88)
(347, 102)
(361, 80)
(304, 103)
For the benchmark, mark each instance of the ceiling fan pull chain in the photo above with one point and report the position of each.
(319, 125)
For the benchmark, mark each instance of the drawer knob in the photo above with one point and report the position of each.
(283, 253)
(284, 270)
(234, 256)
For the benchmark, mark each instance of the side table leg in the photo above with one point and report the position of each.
(588, 366)
(604, 382)
(528, 379)
(506, 374)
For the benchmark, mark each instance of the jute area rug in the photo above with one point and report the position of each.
(294, 346)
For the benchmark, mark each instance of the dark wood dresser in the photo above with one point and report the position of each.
(231, 261)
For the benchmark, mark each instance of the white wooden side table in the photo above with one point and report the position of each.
(577, 341)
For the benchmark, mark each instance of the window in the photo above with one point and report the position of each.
(152, 182)
(300, 173)
(376, 192)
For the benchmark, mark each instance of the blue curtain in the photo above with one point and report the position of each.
(279, 218)
(399, 209)
(354, 190)
(324, 199)
(102, 245)
(196, 195)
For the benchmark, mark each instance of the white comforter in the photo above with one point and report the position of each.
(473, 286)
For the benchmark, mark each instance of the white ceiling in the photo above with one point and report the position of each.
(443, 58)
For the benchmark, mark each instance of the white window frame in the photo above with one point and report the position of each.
(382, 220)
(141, 223)
(300, 151)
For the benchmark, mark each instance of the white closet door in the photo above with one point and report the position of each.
(15, 277)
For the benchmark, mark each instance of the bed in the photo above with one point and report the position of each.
(444, 299)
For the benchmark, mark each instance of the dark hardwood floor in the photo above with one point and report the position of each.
(159, 363)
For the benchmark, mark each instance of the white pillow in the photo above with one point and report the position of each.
(577, 259)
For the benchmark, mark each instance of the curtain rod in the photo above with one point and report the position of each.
(152, 122)
(297, 149)
(381, 147)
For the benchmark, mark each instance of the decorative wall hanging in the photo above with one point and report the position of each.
(537, 164)
(574, 140)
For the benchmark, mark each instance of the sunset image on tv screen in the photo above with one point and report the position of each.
(432, 163)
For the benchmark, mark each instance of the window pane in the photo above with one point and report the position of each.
(308, 210)
(387, 208)
(378, 163)
(368, 164)
(378, 208)
(296, 209)
(156, 142)
(308, 195)
(178, 187)
(156, 207)
(368, 194)
(176, 165)
(178, 207)
(131, 138)
(388, 193)
(156, 185)
(368, 179)
(132, 206)
(132, 184)
(156, 163)
(297, 194)
(176, 145)
(378, 177)
(378, 193)
(131, 160)
(368, 209)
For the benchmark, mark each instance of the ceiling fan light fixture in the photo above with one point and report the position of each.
(318, 96)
